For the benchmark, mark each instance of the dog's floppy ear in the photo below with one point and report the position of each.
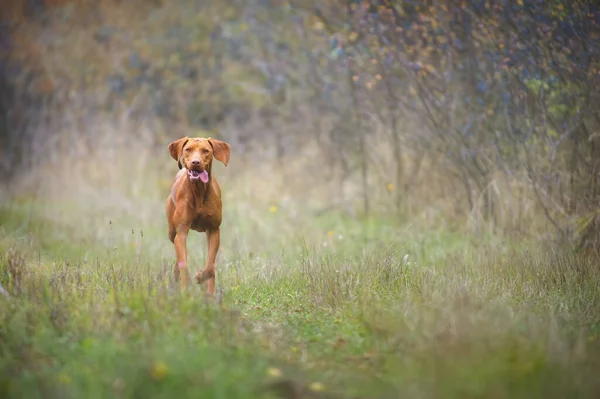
(176, 149)
(221, 150)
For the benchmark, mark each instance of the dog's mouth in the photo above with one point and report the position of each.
(198, 175)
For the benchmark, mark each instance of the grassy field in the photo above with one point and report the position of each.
(309, 307)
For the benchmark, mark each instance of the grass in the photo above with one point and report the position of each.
(318, 307)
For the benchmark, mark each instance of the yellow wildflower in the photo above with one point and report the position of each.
(316, 387)
(159, 371)
(274, 372)
(273, 209)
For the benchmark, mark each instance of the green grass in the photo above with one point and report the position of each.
(93, 311)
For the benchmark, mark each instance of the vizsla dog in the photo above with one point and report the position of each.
(195, 203)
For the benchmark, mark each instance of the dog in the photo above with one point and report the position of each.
(195, 203)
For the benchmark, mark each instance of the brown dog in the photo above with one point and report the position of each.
(195, 203)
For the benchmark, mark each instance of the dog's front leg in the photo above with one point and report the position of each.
(213, 239)
(181, 254)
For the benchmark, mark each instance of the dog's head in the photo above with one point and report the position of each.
(196, 155)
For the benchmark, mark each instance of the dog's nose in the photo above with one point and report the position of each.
(195, 162)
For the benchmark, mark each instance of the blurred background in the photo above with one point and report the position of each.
(406, 185)
(471, 115)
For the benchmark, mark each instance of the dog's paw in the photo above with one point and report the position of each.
(204, 275)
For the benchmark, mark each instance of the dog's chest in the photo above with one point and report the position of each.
(204, 212)
(205, 220)
(207, 215)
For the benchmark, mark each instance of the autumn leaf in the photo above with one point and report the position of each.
(429, 68)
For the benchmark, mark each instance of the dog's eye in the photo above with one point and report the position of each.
(188, 149)
(205, 151)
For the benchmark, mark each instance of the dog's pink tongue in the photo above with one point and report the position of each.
(204, 176)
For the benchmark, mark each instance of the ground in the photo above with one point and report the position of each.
(327, 307)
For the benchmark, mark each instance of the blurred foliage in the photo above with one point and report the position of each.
(481, 86)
